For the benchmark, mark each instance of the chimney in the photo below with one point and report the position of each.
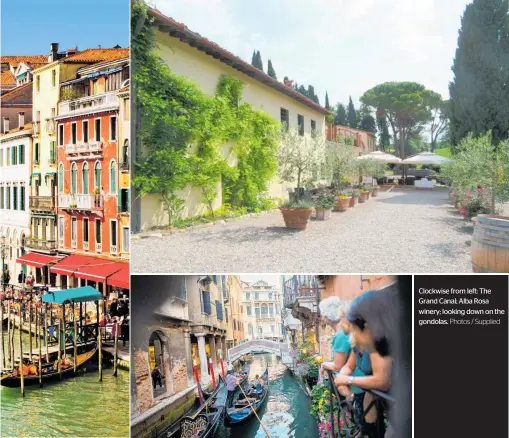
(53, 52)
(71, 52)
(288, 83)
(6, 124)
(21, 119)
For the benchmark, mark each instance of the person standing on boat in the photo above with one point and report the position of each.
(229, 367)
(231, 385)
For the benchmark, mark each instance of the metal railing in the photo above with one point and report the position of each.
(347, 424)
(300, 287)
(43, 203)
(80, 201)
(85, 105)
(84, 148)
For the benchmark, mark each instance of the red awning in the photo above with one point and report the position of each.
(37, 260)
(98, 269)
(71, 264)
(120, 278)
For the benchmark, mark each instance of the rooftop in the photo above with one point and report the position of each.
(194, 39)
(21, 95)
(32, 60)
(90, 56)
(7, 78)
(27, 127)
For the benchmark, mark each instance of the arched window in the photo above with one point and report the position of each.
(85, 178)
(265, 310)
(113, 177)
(74, 178)
(97, 176)
(60, 178)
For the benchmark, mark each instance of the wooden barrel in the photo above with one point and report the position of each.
(490, 243)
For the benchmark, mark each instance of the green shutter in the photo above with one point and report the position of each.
(13, 155)
(119, 201)
(22, 198)
(20, 154)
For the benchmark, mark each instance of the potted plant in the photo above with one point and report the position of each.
(342, 201)
(323, 205)
(369, 190)
(296, 213)
(354, 193)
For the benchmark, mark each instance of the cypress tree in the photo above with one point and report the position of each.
(253, 59)
(351, 116)
(327, 105)
(259, 62)
(302, 90)
(270, 70)
(479, 92)
(340, 117)
(368, 123)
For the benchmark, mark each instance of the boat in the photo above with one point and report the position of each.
(12, 379)
(205, 421)
(242, 410)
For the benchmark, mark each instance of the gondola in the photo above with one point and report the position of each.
(242, 411)
(49, 371)
(205, 421)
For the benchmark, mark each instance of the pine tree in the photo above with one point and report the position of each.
(270, 70)
(327, 105)
(384, 138)
(340, 117)
(479, 91)
(259, 62)
(351, 116)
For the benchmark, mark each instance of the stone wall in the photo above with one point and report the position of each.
(177, 356)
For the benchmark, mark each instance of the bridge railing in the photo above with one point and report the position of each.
(255, 344)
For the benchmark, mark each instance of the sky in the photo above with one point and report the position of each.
(29, 26)
(343, 46)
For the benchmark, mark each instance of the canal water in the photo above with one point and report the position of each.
(79, 406)
(286, 412)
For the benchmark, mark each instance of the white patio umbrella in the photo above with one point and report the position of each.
(427, 158)
(380, 156)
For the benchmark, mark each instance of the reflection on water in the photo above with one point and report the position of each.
(285, 414)
(79, 406)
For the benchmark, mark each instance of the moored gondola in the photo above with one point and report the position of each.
(243, 409)
(49, 371)
(205, 421)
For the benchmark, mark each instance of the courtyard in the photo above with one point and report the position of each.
(401, 231)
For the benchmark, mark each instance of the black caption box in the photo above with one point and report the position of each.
(461, 369)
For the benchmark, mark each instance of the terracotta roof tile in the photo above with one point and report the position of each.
(97, 55)
(27, 59)
(21, 95)
(7, 78)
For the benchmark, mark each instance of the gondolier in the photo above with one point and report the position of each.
(231, 385)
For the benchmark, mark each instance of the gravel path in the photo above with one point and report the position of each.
(397, 232)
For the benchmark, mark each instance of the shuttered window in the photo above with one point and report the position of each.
(219, 310)
(205, 302)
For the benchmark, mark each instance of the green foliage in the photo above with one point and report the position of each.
(324, 200)
(339, 160)
(478, 163)
(256, 61)
(479, 91)
(404, 104)
(327, 105)
(298, 203)
(384, 138)
(351, 116)
(340, 118)
(270, 70)
(183, 129)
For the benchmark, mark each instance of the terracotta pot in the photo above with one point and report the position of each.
(322, 214)
(368, 195)
(362, 197)
(375, 192)
(296, 218)
(353, 201)
(342, 204)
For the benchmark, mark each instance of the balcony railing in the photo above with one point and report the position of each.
(80, 202)
(84, 148)
(266, 316)
(347, 425)
(300, 287)
(44, 244)
(86, 105)
(36, 127)
(50, 126)
(42, 203)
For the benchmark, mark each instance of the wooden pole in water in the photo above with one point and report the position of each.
(2, 331)
(75, 337)
(115, 356)
(36, 326)
(40, 348)
(59, 352)
(22, 377)
(29, 326)
(63, 331)
(9, 331)
(46, 330)
(99, 343)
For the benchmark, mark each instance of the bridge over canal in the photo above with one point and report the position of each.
(262, 346)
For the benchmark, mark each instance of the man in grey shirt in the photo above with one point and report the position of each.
(231, 385)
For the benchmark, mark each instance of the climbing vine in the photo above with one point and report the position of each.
(186, 134)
